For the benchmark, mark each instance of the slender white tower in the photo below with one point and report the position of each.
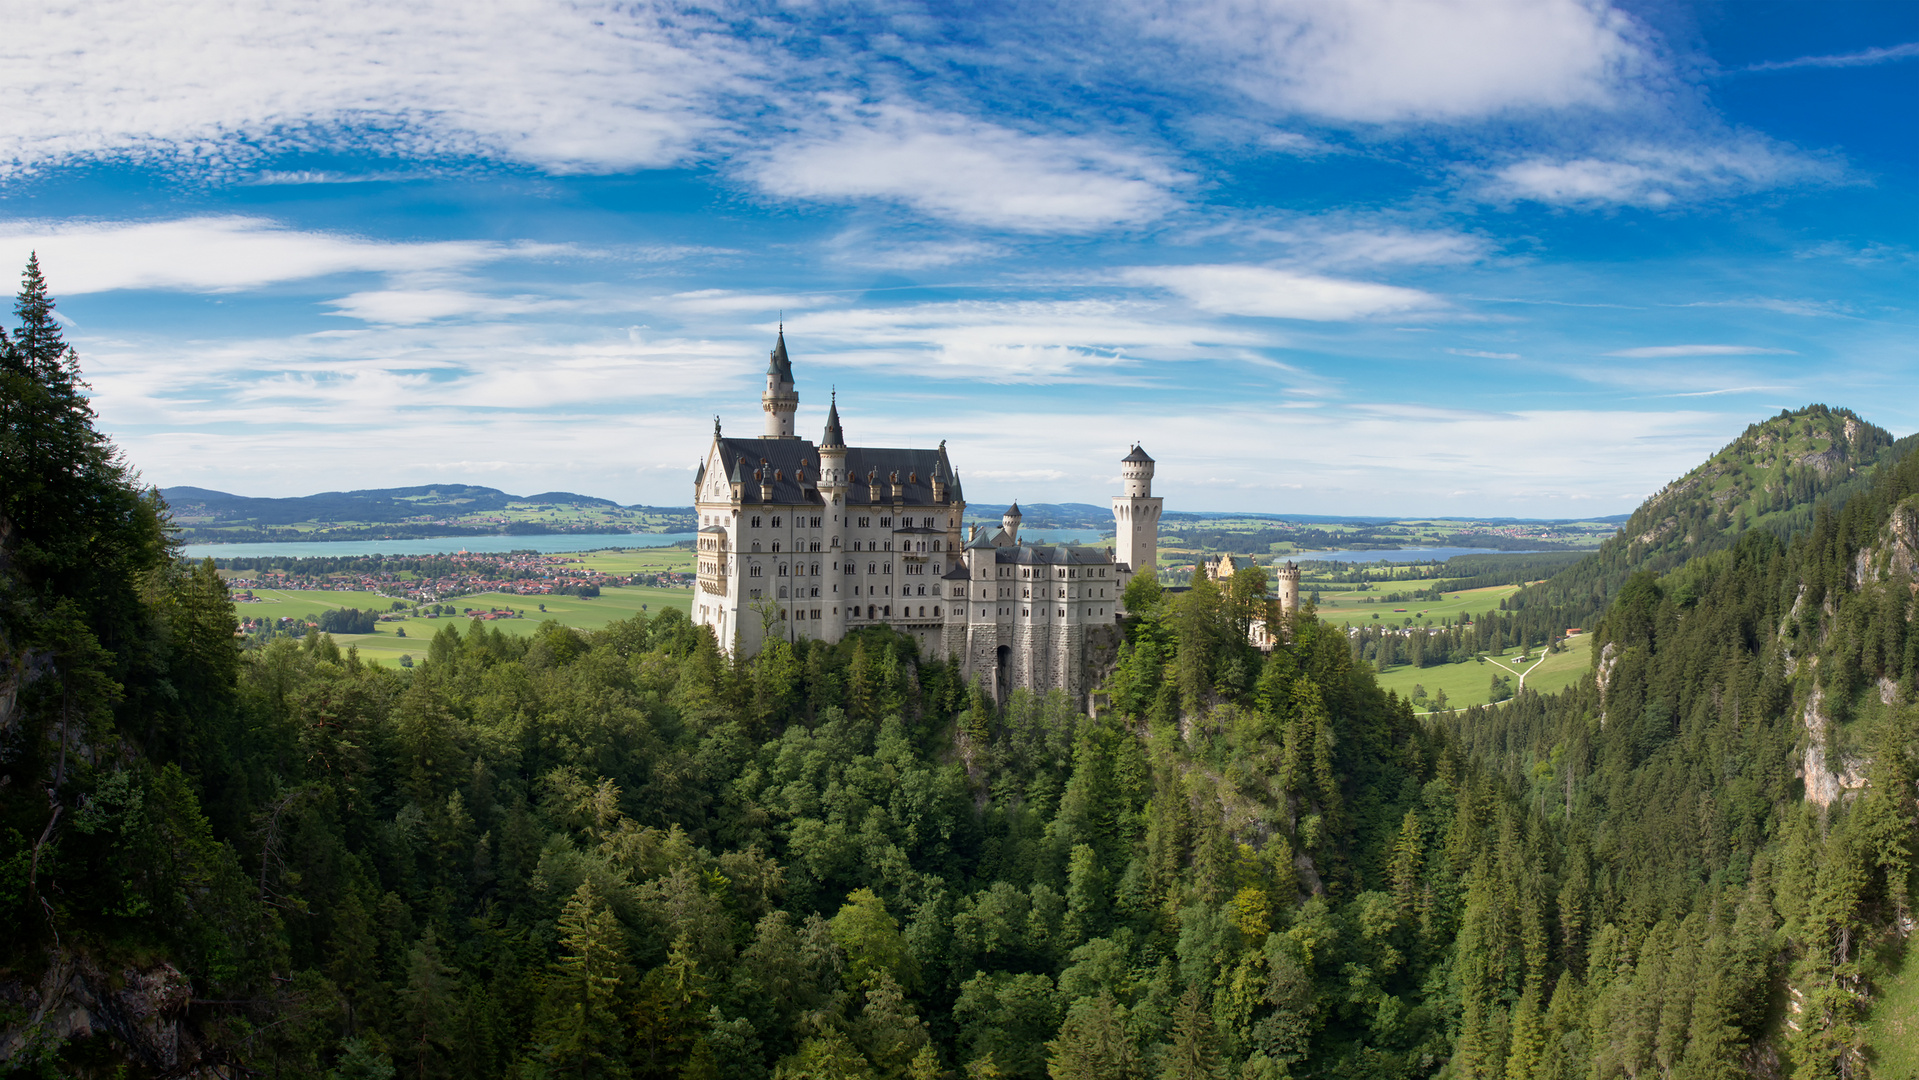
(1136, 515)
(781, 400)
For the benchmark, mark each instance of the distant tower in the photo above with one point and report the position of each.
(1289, 588)
(1136, 515)
(1010, 522)
(781, 400)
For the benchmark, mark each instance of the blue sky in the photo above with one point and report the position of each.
(1328, 256)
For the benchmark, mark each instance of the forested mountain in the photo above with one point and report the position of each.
(1769, 478)
(625, 855)
(427, 510)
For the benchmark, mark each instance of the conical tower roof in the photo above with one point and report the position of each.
(834, 437)
(1138, 454)
(1012, 511)
(776, 363)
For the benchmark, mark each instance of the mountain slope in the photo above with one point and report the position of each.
(1767, 479)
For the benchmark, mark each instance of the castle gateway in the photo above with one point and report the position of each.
(802, 540)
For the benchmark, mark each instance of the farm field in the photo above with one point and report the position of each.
(1360, 607)
(1469, 683)
(637, 560)
(386, 646)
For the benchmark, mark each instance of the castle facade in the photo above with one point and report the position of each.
(804, 540)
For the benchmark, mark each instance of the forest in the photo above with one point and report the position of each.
(626, 854)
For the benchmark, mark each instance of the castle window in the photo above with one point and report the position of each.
(936, 611)
(753, 571)
(814, 591)
(782, 592)
(887, 611)
(782, 570)
(856, 545)
(836, 543)
(936, 568)
(886, 568)
(886, 523)
(936, 545)
(753, 595)
(922, 611)
(776, 522)
(756, 545)
(816, 523)
(888, 545)
(866, 523)
(776, 545)
(816, 545)
(756, 522)
(816, 570)
(782, 610)
(871, 568)
(1027, 593)
(926, 523)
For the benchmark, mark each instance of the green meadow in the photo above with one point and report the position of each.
(410, 636)
(1359, 607)
(1470, 682)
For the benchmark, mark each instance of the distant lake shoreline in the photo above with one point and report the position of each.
(569, 543)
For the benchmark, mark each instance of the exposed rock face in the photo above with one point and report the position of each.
(1825, 786)
(143, 1009)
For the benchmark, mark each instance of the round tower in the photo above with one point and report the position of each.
(1136, 515)
(1288, 588)
(781, 399)
(1010, 522)
(833, 454)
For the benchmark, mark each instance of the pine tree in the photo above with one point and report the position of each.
(581, 1033)
(1194, 1053)
(1094, 1044)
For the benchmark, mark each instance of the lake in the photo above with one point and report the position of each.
(550, 544)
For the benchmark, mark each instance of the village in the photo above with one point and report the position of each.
(439, 578)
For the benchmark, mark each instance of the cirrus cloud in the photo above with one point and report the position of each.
(1267, 292)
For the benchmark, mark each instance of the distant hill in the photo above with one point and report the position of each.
(1768, 478)
(393, 513)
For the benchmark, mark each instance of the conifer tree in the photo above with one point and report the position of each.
(1094, 1044)
(1194, 1053)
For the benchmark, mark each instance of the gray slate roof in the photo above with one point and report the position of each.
(784, 457)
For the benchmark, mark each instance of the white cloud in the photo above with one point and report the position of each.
(1007, 342)
(222, 254)
(1654, 175)
(1380, 61)
(566, 86)
(1281, 294)
(965, 170)
(1649, 352)
(1862, 58)
(1483, 355)
(407, 307)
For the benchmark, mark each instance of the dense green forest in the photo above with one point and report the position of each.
(625, 854)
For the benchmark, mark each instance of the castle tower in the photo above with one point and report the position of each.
(781, 399)
(1136, 515)
(833, 485)
(1289, 589)
(1009, 521)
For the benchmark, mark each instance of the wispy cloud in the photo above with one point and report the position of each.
(1654, 352)
(1655, 175)
(1281, 294)
(227, 253)
(967, 170)
(1484, 355)
(1863, 58)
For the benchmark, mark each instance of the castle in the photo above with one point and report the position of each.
(799, 540)
(1261, 632)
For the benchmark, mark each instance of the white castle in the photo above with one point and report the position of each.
(798, 540)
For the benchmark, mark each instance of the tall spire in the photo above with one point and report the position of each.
(781, 398)
(834, 436)
(776, 362)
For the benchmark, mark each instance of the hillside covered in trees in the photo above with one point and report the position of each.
(626, 855)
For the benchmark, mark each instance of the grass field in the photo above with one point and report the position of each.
(386, 646)
(1470, 683)
(1360, 607)
(1892, 1029)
